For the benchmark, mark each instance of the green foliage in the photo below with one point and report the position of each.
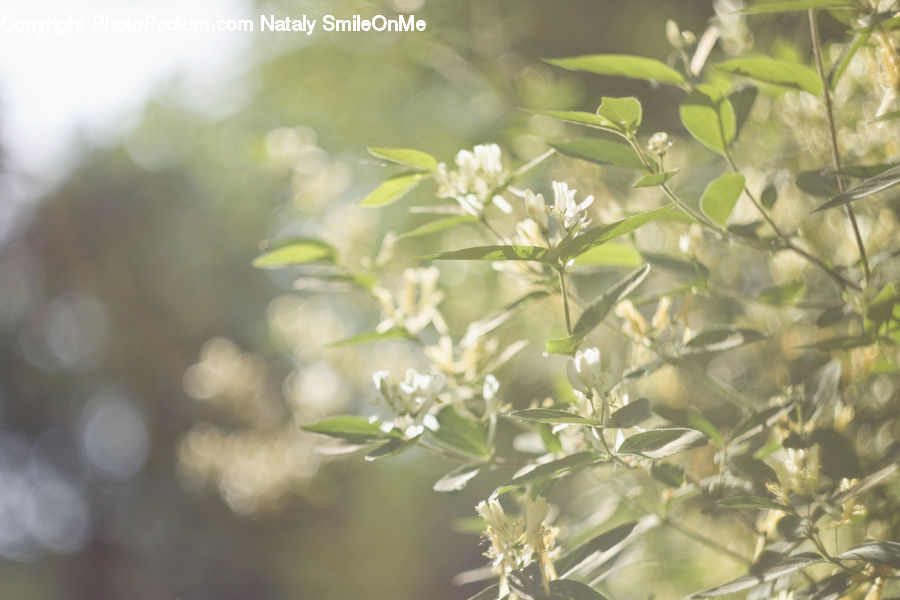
(740, 403)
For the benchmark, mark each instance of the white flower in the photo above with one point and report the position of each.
(415, 306)
(478, 173)
(659, 143)
(412, 399)
(535, 206)
(585, 371)
(567, 210)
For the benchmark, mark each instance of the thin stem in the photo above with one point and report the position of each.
(832, 133)
(787, 241)
(561, 271)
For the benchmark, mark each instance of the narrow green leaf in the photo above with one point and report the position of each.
(393, 447)
(657, 443)
(550, 415)
(889, 116)
(841, 342)
(753, 502)
(873, 185)
(794, 6)
(407, 157)
(607, 540)
(393, 189)
(726, 338)
(596, 312)
(456, 479)
(489, 323)
(631, 414)
(548, 470)
(742, 101)
(611, 254)
(721, 195)
(354, 429)
(438, 225)
(294, 251)
(691, 418)
(373, 336)
(461, 434)
(567, 589)
(782, 295)
(582, 118)
(534, 253)
(602, 152)
(652, 179)
(783, 566)
(596, 236)
(625, 113)
(774, 71)
(622, 65)
(709, 117)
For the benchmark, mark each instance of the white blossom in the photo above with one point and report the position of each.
(416, 304)
(478, 174)
(566, 210)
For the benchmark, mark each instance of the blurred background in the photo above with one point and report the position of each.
(152, 380)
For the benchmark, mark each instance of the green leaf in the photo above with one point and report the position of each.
(709, 117)
(456, 479)
(489, 323)
(784, 566)
(689, 417)
(595, 236)
(652, 179)
(883, 553)
(841, 342)
(742, 101)
(774, 71)
(460, 434)
(611, 254)
(548, 470)
(721, 195)
(693, 270)
(631, 414)
(567, 589)
(393, 189)
(582, 118)
(622, 65)
(373, 336)
(782, 295)
(407, 157)
(601, 152)
(534, 253)
(550, 415)
(294, 251)
(438, 225)
(393, 447)
(625, 113)
(354, 429)
(657, 443)
(873, 185)
(596, 312)
(667, 474)
(769, 195)
(604, 542)
(717, 340)
(817, 183)
(889, 116)
(753, 502)
(794, 6)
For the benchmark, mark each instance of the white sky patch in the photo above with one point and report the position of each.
(54, 84)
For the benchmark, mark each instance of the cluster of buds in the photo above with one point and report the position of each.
(411, 400)
(416, 304)
(659, 143)
(478, 176)
(518, 542)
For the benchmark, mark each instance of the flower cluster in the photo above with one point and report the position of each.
(415, 306)
(518, 542)
(479, 174)
(411, 400)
